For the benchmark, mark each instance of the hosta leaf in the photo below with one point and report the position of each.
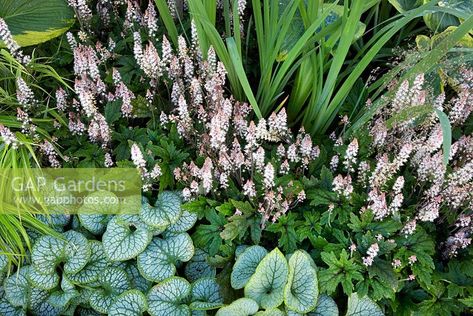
(362, 306)
(16, 287)
(47, 252)
(94, 267)
(77, 251)
(130, 303)
(168, 298)
(241, 307)
(185, 222)
(440, 21)
(198, 267)
(94, 223)
(266, 285)
(114, 281)
(158, 261)
(205, 295)
(34, 22)
(43, 281)
(7, 309)
(126, 237)
(246, 265)
(302, 289)
(326, 306)
(166, 211)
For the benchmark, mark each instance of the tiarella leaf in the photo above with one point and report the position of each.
(198, 267)
(362, 306)
(130, 303)
(47, 252)
(94, 223)
(94, 267)
(168, 298)
(326, 306)
(185, 222)
(16, 287)
(114, 281)
(241, 307)
(302, 289)
(43, 281)
(246, 265)
(158, 261)
(266, 285)
(166, 211)
(121, 242)
(205, 294)
(77, 251)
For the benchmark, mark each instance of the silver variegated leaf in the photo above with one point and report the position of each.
(271, 312)
(266, 285)
(43, 281)
(363, 306)
(126, 237)
(114, 281)
(17, 288)
(245, 266)
(158, 261)
(302, 289)
(97, 263)
(240, 307)
(185, 222)
(136, 279)
(198, 267)
(7, 309)
(94, 223)
(77, 252)
(129, 303)
(205, 294)
(47, 252)
(169, 298)
(166, 211)
(326, 306)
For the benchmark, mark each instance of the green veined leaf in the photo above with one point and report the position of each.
(271, 312)
(362, 306)
(94, 223)
(266, 285)
(34, 22)
(126, 237)
(113, 281)
(129, 303)
(166, 211)
(168, 298)
(302, 288)
(62, 298)
(7, 309)
(93, 268)
(185, 222)
(47, 253)
(137, 280)
(326, 306)
(198, 267)
(77, 251)
(205, 295)
(446, 134)
(43, 281)
(158, 260)
(241, 307)
(246, 265)
(16, 287)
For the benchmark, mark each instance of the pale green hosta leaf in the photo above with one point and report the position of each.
(271, 312)
(198, 267)
(185, 222)
(205, 295)
(137, 280)
(43, 281)
(158, 261)
(34, 22)
(94, 223)
(241, 307)
(16, 287)
(126, 237)
(130, 303)
(169, 298)
(301, 291)
(246, 265)
(326, 306)
(362, 306)
(94, 267)
(266, 285)
(77, 252)
(166, 211)
(114, 281)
